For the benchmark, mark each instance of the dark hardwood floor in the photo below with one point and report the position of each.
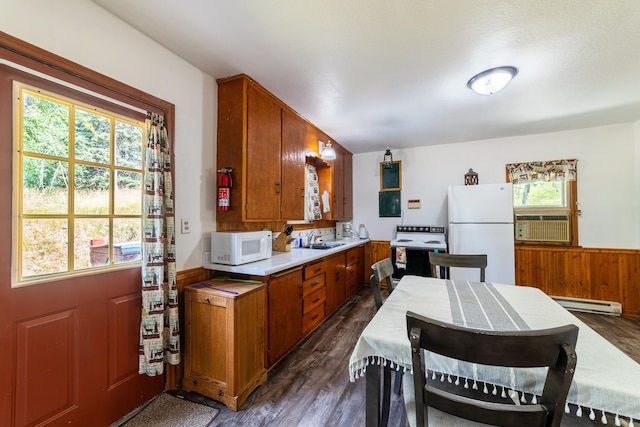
(311, 386)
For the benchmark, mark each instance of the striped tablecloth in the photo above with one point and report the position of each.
(606, 380)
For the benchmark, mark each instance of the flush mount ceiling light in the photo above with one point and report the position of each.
(326, 151)
(493, 80)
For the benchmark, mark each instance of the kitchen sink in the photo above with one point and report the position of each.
(323, 245)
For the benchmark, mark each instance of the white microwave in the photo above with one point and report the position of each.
(240, 247)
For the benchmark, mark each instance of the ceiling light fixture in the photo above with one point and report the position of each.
(326, 151)
(493, 80)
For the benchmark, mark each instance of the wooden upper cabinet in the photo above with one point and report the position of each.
(231, 146)
(265, 143)
(338, 180)
(294, 134)
(264, 128)
(347, 178)
(342, 184)
(249, 142)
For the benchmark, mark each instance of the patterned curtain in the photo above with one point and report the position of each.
(159, 327)
(554, 170)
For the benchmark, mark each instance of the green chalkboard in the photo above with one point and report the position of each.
(389, 203)
(391, 176)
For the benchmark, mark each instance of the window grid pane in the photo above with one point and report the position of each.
(45, 247)
(102, 215)
(540, 195)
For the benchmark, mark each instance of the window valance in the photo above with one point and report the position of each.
(552, 170)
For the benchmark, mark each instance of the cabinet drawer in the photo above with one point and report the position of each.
(309, 286)
(351, 272)
(352, 256)
(314, 269)
(312, 319)
(314, 300)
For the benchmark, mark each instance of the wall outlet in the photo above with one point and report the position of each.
(185, 226)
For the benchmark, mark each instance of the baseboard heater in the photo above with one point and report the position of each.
(590, 305)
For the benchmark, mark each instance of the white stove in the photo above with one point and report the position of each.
(420, 237)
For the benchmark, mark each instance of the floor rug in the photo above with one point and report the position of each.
(169, 411)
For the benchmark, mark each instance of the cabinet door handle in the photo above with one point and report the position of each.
(316, 300)
(277, 188)
(302, 192)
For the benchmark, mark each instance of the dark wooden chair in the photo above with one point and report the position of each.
(382, 272)
(553, 348)
(437, 260)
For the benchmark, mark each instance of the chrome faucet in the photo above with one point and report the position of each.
(311, 237)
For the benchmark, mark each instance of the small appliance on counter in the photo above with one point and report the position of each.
(240, 247)
(344, 230)
(362, 232)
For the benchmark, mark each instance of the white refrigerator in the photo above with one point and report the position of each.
(481, 222)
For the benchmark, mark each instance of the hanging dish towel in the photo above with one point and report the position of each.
(401, 258)
(325, 202)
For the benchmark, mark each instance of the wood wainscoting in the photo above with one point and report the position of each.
(592, 273)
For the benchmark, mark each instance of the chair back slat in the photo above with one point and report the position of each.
(383, 270)
(553, 348)
(438, 259)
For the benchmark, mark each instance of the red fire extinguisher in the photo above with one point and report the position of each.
(224, 189)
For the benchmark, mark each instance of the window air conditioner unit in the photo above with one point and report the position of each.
(543, 227)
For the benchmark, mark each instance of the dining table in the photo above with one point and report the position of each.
(605, 385)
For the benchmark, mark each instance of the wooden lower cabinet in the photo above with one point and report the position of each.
(313, 296)
(354, 270)
(225, 339)
(285, 313)
(335, 282)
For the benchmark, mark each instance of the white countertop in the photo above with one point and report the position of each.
(281, 261)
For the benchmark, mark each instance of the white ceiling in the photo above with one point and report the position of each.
(372, 73)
